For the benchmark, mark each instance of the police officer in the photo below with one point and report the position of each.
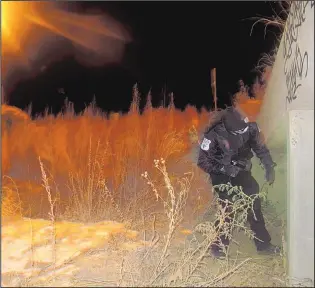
(225, 154)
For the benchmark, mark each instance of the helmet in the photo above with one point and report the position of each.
(234, 122)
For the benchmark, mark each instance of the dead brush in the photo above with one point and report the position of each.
(134, 197)
(172, 144)
(52, 217)
(90, 199)
(62, 141)
(174, 203)
(277, 20)
(11, 204)
(190, 269)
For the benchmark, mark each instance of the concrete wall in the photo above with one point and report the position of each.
(287, 120)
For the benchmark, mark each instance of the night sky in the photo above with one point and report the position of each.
(175, 45)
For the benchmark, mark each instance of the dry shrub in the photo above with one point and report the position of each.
(251, 105)
(159, 264)
(11, 206)
(63, 141)
(90, 199)
(173, 199)
(81, 151)
(10, 116)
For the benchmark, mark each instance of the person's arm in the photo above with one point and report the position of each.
(261, 151)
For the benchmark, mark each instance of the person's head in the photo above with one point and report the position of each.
(235, 122)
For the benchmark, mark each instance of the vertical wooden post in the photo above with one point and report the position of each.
(214, 87)
(3, 98)
(164, 101)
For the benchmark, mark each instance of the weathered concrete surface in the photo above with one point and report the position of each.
(301, 194)
(287, 120)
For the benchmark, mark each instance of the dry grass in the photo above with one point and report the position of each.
(64, 142)
(174, 206)
(95, 159)
(90, 167)
(162, 266)
(11, 205)
(51, 214)
(278, 20)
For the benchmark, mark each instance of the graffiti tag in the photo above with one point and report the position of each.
(295, 74)
(295, 61)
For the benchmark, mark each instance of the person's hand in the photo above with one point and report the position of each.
(230, 170)
(270, 175)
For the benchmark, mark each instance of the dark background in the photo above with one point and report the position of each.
(175, 45)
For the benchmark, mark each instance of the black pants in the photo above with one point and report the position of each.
(250, 187)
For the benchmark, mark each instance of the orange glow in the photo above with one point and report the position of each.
(20, 18)
(29, 30)
(130, 139)
(12, 24)
(251, 108)
(119, 148)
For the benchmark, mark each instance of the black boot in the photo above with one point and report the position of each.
(269, 249)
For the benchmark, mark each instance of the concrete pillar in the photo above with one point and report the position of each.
(301, 197)
(287, 120)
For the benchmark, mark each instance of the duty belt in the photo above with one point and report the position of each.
(245, 165)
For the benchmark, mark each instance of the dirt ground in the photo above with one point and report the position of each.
(95, 255)
(101, 254)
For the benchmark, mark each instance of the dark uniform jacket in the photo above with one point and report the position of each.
(219, 148)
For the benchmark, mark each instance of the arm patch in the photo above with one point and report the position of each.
(205, 145)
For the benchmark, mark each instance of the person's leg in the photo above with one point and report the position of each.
(255, 217)
(218, 179)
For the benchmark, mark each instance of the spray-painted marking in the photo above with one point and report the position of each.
(295, 60)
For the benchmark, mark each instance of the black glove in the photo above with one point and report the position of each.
(270, 174)
(230, 170)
